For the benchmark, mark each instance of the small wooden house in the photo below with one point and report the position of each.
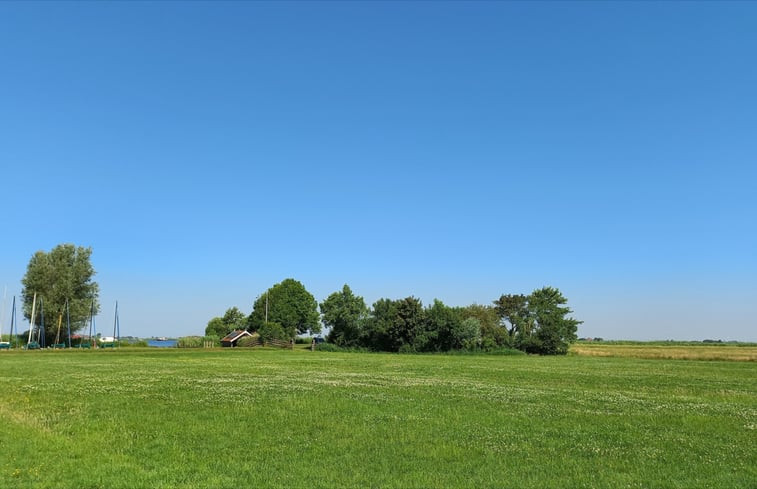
(231, 339)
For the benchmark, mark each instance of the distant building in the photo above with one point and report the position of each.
(231, 339)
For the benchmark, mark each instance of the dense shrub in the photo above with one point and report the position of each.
(494, 352)
(249, 341)
(336, 348)
(189, 342)
(211, 339)
(272, 331)
(466, 335)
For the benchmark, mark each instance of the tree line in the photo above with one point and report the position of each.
(539, 322)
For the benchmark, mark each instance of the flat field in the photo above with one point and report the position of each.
(244, 418)
(668, 350)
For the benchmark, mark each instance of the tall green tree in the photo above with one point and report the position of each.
(467, 336)
(396, 325)
(513, 313)
(65, 273)
(442, 327)
(344, 312)
(216, 327)
(231, 320)
(492, 334)
(289, 304)
(553, 331)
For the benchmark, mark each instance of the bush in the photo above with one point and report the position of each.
(504, 352)
(272, 331)
(467, 334)
(495, 352)
(248, 341)
(493, 337)
(190, 342)
(303, 340)
(336, 348)
(197, 341)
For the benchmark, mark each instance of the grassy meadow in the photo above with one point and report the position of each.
(148, 418)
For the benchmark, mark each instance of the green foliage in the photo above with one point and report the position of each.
(396, 324)
(217, 327)
(442, 323)
(501, 352)
(288, 304)
(273, 331)
(344, 313)
(331, 347)
(64, 273)
(513, 312)
(447, 329)
(486, 315)
(197, 341)
(190, 342)
(467, 334)
(232, 320)
(212, 339)
(537, 323)
(248, 341)
(491, 334)
(553, 330)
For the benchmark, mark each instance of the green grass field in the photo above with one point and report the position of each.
(241, 418)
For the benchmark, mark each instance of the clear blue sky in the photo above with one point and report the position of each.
(444, 150)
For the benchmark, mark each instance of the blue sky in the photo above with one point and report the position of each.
(444, 150)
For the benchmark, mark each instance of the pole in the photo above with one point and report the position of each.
(57, 333)
(31, 319)
(118, 325)
(13, 320)
(68, 324)
(92, 327)
(42, 324)
(2, 316)
(115, 321)
(90, 324)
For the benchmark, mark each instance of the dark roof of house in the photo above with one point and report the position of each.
(235, 335)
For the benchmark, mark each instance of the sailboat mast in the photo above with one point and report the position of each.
(13, 320)
(2, 316)
(115, 321)
(31, 319)
(92, 328)
(68, 324)
(41, 335)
